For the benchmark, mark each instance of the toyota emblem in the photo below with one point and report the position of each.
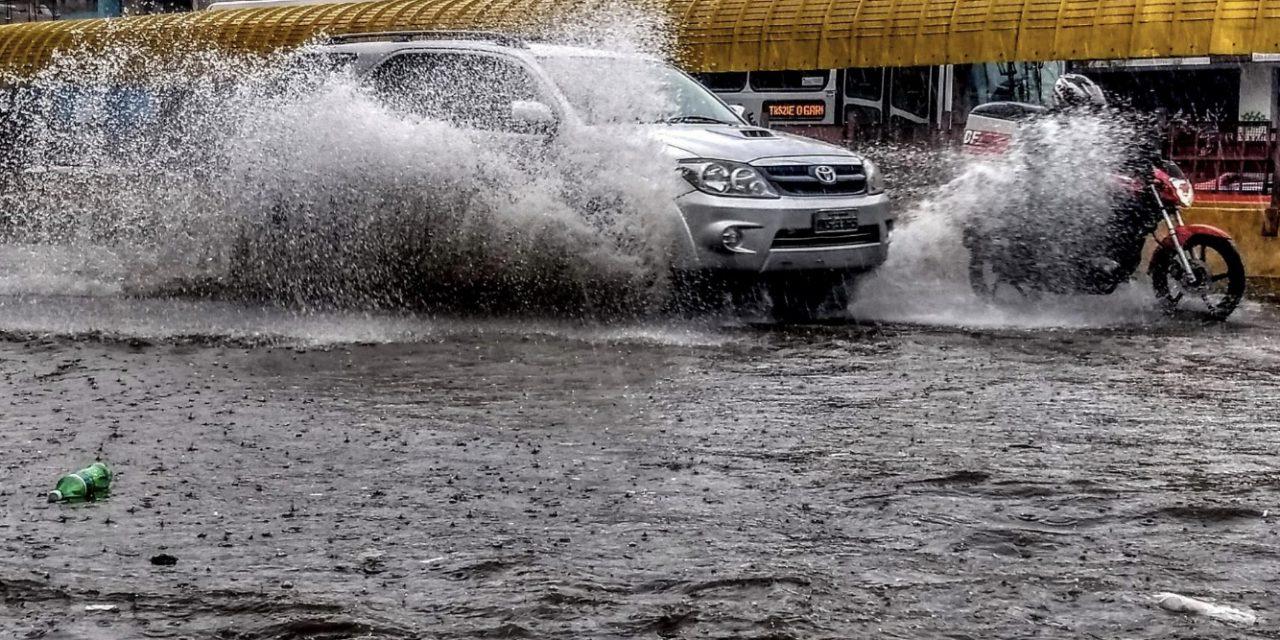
(825, 174)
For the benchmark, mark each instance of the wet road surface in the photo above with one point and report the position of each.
(477, 479)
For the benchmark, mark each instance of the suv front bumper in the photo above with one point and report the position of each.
(778, 234)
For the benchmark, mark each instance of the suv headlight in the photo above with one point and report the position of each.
(725, 178)
(875, 179)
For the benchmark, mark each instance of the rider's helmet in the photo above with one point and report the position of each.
(1074, 91)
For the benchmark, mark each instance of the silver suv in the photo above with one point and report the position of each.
(756, 206)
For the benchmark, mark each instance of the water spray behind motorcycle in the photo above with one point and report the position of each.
(1056, 241)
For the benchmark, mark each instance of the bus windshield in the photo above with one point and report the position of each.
(609, 90)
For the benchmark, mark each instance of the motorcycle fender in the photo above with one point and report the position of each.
(1188, 231)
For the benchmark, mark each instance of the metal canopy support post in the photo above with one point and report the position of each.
(1271, 219)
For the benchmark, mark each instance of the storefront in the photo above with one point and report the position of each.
(1218, 114)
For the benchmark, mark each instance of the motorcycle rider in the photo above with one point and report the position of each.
(1093, 187)
(1073, 91)
(1077, 96)
(1045, 227)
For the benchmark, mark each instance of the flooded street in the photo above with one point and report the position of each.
(400, 477)
(530, 434)
(558, 320)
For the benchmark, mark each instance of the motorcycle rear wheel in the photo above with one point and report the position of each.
(1219, 277)
(991, 286)
(983, 279)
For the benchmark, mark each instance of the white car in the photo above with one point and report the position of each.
(757, 206)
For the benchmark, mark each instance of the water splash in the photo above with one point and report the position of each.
(287, 179)
(1057, 178)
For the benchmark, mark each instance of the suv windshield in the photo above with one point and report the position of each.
(606, 90)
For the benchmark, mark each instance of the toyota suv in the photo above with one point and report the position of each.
(756, 206)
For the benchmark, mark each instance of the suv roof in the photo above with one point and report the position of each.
(428, 35)
(494, 38)
(543, 50)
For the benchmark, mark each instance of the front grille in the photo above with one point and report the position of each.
(799, 180)
(805, 238)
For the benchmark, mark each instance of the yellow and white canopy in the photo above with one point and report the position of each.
(731, 34)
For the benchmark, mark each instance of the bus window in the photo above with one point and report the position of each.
(864, 84)
(911, 95)
(864, 101)
(723, 82)
(863, 121)
(808, 80)
(468, 90)
(1013, 81)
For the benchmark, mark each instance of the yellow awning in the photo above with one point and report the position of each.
(731, 34)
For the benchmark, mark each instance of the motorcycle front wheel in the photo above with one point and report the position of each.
(1215, 285)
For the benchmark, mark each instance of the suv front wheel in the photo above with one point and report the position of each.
(807, 297)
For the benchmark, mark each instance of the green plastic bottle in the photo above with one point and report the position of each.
(90, 483)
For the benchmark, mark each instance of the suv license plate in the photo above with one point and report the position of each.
(835, 221)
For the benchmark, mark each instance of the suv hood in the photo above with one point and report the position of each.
(736, 143)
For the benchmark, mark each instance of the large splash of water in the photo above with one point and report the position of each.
(1057, 177)
(291, 180)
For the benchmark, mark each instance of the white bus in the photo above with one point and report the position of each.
(875, 102)
(771, 98)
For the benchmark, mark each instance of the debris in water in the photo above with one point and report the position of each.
(372, 562)
(101, 607)
(164, 560)
(90, 483)
(1183, 604)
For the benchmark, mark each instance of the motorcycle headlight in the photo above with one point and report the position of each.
(1186, 193)
(875, 179)
(725, 178)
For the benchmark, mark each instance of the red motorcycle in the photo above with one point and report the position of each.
(1193, 266)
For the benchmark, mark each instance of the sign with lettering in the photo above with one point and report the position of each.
(796, 110)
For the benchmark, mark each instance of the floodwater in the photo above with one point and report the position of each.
(366, 476)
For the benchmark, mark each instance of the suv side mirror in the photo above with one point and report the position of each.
(740, 110)
(533, 116)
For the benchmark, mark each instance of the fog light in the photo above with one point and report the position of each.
(731, 238)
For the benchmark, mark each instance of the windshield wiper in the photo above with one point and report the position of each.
(697, 119)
